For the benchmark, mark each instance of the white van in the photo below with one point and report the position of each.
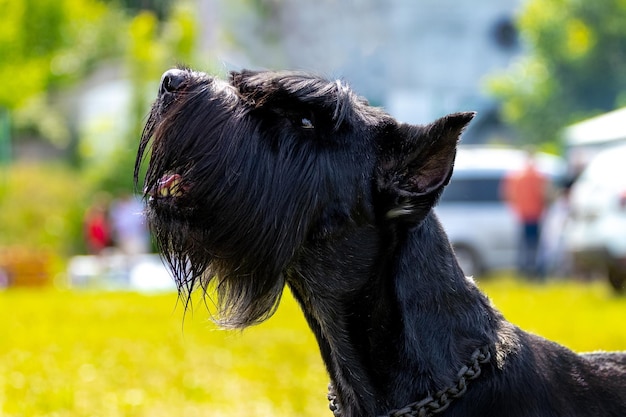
(481, 227)
(596, 230)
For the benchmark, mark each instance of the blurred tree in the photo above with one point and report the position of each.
(153, 46)
(575, 67)
(159, 7)
(43, 208)
(48, 44)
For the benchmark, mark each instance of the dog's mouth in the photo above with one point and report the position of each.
(170, 185)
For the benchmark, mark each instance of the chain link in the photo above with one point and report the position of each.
(437, 403)
(332, 401)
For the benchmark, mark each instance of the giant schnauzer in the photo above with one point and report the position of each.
(284, 178)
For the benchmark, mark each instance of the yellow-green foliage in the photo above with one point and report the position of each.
(72, 354)
(583, 317)
(42, 206)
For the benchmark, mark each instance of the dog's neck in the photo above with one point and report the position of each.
(395, 318)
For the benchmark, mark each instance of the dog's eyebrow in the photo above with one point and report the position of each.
(341, 107)
(332, 96)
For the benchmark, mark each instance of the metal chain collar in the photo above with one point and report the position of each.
(433, 404)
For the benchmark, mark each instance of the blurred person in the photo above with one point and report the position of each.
(130, 232)
(554, 258)
(97, 227)
(525, 192)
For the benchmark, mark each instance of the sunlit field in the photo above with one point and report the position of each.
(78, 354)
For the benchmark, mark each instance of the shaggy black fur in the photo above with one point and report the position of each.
(283, 178)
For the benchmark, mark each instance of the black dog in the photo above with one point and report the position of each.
(281, 178)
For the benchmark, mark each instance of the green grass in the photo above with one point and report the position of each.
(582, 316)
(107, 354)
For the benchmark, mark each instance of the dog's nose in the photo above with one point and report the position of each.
(172, 81)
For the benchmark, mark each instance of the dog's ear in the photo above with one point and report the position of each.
(416, 163)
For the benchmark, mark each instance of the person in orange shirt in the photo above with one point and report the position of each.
(525, 192)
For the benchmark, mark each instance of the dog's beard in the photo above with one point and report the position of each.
(247, 293)
(209, 212)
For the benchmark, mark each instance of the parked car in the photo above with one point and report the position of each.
(481, 227)
(596, 230)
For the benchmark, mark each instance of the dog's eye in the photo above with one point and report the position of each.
(306, 123)
(301, 118)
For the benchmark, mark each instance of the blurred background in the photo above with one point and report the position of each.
(90, 323)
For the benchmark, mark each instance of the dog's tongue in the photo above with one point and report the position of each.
(168, 186)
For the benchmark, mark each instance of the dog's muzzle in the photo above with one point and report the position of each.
(170, 185)
(172, 81)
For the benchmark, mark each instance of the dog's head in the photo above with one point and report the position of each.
(245, 173)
